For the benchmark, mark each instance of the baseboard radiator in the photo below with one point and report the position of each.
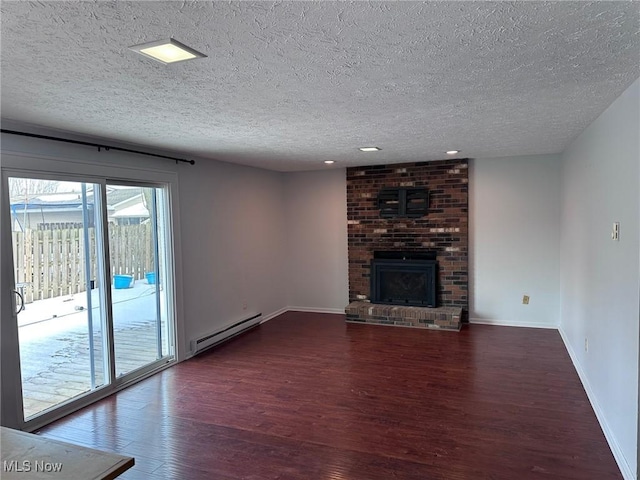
(199, 345)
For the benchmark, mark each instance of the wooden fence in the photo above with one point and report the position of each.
(51, 263)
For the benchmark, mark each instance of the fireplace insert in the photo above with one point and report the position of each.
(404, 278)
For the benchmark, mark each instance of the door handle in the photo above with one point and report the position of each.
(21, 301)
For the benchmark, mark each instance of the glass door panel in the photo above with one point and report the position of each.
(137, 230)
(56, 266)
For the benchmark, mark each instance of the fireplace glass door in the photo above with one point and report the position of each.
(404, 282)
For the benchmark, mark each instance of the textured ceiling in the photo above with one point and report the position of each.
(287, 85)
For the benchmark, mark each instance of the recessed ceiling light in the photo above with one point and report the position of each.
(329, 162)
(452, 152)
(167, 51)
(369, 149)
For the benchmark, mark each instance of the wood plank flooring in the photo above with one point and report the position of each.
(306, 396)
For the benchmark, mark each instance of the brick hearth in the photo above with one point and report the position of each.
(446, 318)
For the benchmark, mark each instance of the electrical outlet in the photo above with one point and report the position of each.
(615, 231)
(525, 300)
(586, 344)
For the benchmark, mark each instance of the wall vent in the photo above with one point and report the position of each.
(403, 202)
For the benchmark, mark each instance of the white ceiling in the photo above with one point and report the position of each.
(287, 85)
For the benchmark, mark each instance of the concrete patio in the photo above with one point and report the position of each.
(54, 342)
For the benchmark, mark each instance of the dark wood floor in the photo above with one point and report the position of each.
(306, 396)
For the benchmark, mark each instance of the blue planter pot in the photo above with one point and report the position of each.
(122, 281)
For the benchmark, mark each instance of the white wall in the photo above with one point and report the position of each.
(600, 277)
(234, 237)
(514, 240)
(316, 219)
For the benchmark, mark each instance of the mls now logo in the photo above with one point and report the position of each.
(28, 466)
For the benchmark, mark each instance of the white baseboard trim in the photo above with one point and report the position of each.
(511, 323)
(625, 469)
(268, 317)
(339, 311)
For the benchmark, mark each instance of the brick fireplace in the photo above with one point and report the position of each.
(442, 232)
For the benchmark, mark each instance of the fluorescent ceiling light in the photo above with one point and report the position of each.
(167, 51)
(369, 149)
(329, 162)
(452, 152)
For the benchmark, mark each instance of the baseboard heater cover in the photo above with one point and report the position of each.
(205, 342)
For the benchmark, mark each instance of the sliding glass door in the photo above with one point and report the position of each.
(138, 252)
(92, 282)
(61, 323)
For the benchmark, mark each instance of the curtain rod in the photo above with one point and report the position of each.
(97, 145)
